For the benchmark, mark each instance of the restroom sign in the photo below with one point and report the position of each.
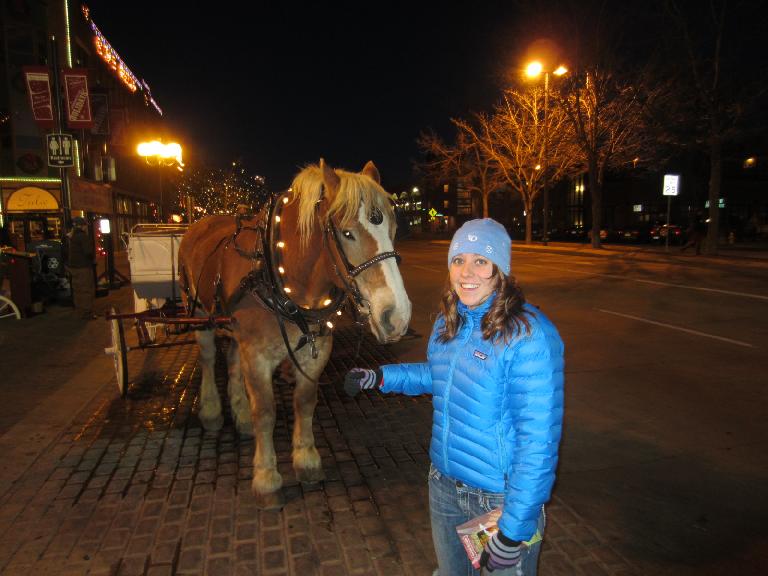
(60, 150)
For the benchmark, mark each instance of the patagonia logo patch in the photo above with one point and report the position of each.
(480, 355)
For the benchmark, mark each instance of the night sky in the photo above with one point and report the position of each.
(279, 86)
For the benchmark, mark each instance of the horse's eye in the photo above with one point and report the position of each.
(375, 217)
(348, 235)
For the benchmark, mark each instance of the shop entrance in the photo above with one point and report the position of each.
(28, 230)
(39, 234)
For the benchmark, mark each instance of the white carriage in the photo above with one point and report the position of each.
(153, 257)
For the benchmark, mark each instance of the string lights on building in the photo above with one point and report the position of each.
(110, 56)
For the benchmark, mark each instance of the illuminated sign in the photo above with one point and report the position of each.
(671, 184)
(31, 199)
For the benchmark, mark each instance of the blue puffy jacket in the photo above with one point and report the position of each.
(498, 411)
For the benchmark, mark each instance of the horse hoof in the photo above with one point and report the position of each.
(269, 501)
(310, 475)
(213, 423)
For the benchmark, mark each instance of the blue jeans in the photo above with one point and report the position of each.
(452, 503)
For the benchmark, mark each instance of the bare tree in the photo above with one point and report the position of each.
(607, 118)
(464, 161)
(514, 138)
(719, 84)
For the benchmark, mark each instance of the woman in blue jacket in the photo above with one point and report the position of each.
(495, 371)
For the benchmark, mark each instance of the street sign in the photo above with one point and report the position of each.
(671, 184)
(60, 151)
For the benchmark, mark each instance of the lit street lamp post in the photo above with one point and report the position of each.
(533, 70)
(155, 153)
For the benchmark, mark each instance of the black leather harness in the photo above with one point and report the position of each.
(266, 284)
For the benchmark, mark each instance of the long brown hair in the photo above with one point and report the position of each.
(506, 318)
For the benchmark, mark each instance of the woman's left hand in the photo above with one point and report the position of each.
(500, 552)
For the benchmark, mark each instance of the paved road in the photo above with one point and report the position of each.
(96, 485)
(664, 447)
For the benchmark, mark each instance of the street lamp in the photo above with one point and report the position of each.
(533, 70)
(155, 153)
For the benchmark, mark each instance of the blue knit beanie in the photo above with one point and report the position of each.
(485, 237)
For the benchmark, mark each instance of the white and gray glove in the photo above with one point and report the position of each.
(500, 552)
(362, 379)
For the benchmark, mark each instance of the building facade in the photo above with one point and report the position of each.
(107, 181)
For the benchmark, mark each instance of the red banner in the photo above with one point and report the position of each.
(39, 90)
(76, 97)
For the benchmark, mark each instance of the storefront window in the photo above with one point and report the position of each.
(131, 212)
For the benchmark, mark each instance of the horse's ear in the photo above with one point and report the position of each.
(370, 170)
(331, 180)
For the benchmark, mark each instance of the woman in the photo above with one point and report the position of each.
(495, 371)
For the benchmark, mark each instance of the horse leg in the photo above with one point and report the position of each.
(238, 398)
(267, 481)
(306, 460)
(210, 403)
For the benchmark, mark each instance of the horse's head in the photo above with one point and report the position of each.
(361, 222)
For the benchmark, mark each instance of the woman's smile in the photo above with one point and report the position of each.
(472, 278)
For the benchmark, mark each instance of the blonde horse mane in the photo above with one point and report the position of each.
(354, 188)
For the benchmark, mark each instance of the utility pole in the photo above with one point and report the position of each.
(66, 204)
(545, 199)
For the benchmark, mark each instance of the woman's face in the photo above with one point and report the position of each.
(472, 278)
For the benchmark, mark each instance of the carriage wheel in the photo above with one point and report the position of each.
(119, 352)
(8, 309)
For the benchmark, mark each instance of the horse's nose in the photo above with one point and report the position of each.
(386, 320)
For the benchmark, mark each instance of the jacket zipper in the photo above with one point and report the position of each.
(468, 325)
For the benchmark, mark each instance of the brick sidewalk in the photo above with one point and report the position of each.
(136, 487)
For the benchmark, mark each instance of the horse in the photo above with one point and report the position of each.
(279, 278)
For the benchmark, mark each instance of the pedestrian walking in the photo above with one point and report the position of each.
(694, 235)
(80, 264)
(495, 372)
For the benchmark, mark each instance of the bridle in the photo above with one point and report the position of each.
(346, 271)
(285, 308)
(266, 284)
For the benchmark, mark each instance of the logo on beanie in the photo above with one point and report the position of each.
(471, 237)
(489, 249)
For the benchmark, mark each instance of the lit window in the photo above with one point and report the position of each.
(750, 162)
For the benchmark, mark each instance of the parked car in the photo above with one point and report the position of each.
(659, 234)
(634, 234)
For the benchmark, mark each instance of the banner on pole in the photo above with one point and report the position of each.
(100, 109)
(76, 97)
(39, 89)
